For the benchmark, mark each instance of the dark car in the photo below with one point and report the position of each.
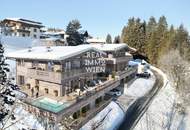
(144, 75)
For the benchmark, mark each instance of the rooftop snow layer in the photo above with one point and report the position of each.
(96, 40)
(62, 52)
(25, 21)
(107, 47)
(54, 53)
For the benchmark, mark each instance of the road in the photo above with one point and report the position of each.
(140, 106)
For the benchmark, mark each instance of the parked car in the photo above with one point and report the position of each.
(114, 92)
(144, 75)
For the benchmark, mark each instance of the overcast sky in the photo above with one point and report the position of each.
(99, 17)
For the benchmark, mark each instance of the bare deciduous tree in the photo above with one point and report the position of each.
(178, 70)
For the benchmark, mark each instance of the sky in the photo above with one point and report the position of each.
(98, 17)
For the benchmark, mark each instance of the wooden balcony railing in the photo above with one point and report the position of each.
(73, 72)
(54, 76)
(44, 75)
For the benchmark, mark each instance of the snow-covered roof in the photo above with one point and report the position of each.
(96, 40)
(53, 39)
(54, 33)
(55, 53)
(132, 49)
(25, 21)
(127, 54)
(107, 47)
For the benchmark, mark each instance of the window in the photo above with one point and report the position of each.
(37, 82)
(46, 90)
(35, 30)
(23, 35)
(28, 86)
(56, 93)
(21, 80)
(35, 64)
(20, 62)
(35, 36)
(76, 64)
(37, 88)
(67, 65)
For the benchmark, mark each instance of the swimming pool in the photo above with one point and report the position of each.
(50, 104)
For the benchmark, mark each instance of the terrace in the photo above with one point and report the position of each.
(70, 102)
(73, 100)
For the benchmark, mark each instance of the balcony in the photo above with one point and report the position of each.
(73, 73)
(55, 76)
(44, 75)
(23, 30)
(113, 60)
(128, 71)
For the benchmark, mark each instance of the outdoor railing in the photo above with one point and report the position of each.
(87, 97)
(127, 71)
(44, 75)
(73, 72)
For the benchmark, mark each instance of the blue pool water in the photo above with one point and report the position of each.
(50, 104)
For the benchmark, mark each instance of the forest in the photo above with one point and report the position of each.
(154, 39)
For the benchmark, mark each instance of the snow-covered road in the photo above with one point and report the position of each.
(140, 87)
(162, 115)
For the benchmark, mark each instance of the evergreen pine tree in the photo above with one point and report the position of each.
(108, 39)
(134, 34)
(162, 35)
(5, 88)
(75, 37)
(117, 39)
(154, 39)
(182, 40)
(150, 35)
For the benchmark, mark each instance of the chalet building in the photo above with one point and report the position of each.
(22, 27)
(61, 81)
(54, 38)
(95, 40)
(117, 56)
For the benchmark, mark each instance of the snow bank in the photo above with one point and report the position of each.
(15, 42)
(161, 114)
(24, 120)
(140, 86)
(164, 76)
(108, 119)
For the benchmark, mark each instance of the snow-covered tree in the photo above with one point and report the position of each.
(75, 37)
(6, 92)
(108, 39)
(178, 70)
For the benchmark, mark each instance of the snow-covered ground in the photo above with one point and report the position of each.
(108, 119)
(14, 42)
(140, 86)
(162, 115)
(24, 120)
